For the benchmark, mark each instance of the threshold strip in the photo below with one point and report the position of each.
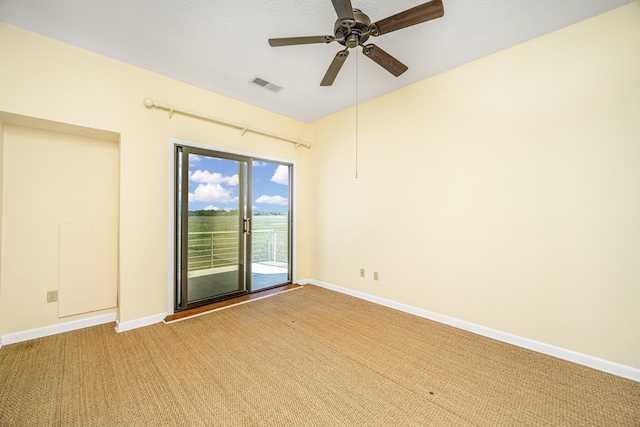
(228, 303)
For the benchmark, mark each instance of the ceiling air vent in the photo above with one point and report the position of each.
(266, 85)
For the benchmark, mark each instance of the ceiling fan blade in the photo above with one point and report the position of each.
(289, 41)
(416, 15)
(334, 68)
(344, 10)
(385, 60)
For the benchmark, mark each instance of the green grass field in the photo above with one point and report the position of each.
(205, 224)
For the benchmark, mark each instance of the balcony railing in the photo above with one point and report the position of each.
(220, 248)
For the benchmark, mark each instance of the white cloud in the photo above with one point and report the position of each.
(193, 159)
(211, 208)
(257, 164)
(281, 175)
(232, 180)
(211, 193)
(207, 177)
(273, 200)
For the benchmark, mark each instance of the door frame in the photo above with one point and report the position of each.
(171, 164)
(244, 217)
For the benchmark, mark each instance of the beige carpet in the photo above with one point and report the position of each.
(308, 357)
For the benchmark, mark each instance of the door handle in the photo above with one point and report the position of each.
(247, 226)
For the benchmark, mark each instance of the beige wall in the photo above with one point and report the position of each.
(46, 79)
(1, 209)
(505, 192)
(52, 178)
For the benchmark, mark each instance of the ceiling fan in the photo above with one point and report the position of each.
(353, 28)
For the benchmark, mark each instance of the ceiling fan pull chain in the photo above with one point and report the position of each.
(357, 73)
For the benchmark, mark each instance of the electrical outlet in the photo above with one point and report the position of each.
(52, 296)
(375, 275)
(362, 272)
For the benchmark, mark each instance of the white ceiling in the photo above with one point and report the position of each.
(222, 45)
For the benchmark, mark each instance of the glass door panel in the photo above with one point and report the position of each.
(212, 227)
(270, 247)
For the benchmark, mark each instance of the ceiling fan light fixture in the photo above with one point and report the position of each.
(352, 41)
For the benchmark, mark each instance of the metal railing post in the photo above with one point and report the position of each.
(275, 246)
(211, 252)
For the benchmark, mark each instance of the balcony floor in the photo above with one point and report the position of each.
(214, 282)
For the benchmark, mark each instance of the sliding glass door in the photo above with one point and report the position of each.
(233, 226)
(271, 225)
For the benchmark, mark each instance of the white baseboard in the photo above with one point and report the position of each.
(139, 323)
(57, 329)
(540, 347)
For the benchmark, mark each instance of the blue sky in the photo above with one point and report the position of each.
(213, 184)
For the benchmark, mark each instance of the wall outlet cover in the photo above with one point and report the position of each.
(52, 296)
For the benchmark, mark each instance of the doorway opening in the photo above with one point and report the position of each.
(233, 228)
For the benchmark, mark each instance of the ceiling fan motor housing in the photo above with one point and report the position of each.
(352, 36)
